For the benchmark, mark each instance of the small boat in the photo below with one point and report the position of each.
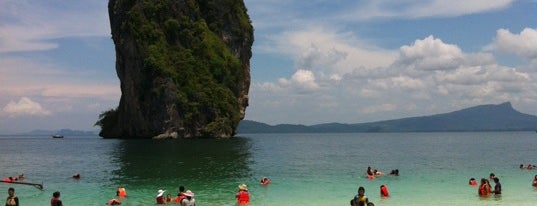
(57, 136)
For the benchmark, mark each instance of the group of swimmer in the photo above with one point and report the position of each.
(361, 199)
(14, 178)
(183, 198)
(373, 173)
(484, 188)
(187, 198)
(529, 167)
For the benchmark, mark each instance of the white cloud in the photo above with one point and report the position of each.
(372, 9)
(523, 44)
(305, 80)
(431, 54)
(25, 106)
(326, 50)
(48, 79)
(429, 76)
(32, 25)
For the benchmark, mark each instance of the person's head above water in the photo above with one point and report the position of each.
(361, 190)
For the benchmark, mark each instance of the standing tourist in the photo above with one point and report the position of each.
(12, 200)
(189, 200)
(384, 191)
(55, 201)
(484, 188)
(497, 186)
(243, 197)
(181, 195)
(160, 197)
(492, 176)
(360, 199)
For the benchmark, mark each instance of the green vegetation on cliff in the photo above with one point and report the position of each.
(189, 42)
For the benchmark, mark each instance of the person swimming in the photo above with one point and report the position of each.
(472, 182)
(114, 202)
(265, 181)
(370, 173)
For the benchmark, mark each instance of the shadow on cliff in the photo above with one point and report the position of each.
(169, 163)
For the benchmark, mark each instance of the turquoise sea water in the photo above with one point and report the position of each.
(305, 169)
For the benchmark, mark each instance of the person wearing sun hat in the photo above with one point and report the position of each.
(160, 197)
(189, 200)
(243, 196)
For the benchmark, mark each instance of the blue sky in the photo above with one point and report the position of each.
(313, 61)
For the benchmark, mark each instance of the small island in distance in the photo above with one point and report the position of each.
(501, 117)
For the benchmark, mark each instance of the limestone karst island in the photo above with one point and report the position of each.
(184, 68)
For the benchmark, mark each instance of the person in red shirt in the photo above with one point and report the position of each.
(161, 200)
(243, 196)
(384, 191)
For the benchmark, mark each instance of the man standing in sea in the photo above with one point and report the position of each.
(497, 186)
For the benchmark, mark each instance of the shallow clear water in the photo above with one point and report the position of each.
(305, 169)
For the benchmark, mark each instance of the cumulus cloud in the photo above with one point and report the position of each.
(428, 76)
(523, 44)
(305, 79)
(431, 54)
(25, 106)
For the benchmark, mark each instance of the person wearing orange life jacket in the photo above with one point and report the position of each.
(181, 195)
(121, 192)
(243, 196)
(384, 191)
(484, 188)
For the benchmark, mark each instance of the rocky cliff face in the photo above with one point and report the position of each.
(183, 65)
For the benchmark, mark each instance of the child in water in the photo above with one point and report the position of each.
(360, 199)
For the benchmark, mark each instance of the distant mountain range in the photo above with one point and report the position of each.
(64, 132)
(501, 117)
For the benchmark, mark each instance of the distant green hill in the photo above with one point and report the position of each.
(65, 132)
(501, 117)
